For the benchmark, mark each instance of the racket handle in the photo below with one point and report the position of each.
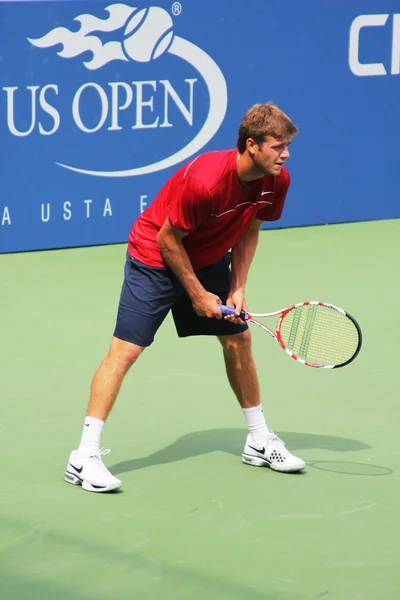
(227, 310)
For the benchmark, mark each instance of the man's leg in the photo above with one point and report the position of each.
(263, 447)
(106, 384)
(146, 297)
(85, 466)
(241, 368)
(109, 376)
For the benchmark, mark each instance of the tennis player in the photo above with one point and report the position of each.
(188, 252)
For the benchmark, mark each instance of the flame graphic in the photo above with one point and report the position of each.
(74, 43)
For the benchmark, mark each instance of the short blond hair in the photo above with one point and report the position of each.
(263, 120)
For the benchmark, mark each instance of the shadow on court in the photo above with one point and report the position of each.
(20, 589)
(70, 566)
(232, 441)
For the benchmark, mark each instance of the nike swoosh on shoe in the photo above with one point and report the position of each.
(257, 449)
(76, 468)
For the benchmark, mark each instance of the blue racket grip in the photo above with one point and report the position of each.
(227, 310)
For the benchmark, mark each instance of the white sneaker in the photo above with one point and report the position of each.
(90, 473)
(271, 453)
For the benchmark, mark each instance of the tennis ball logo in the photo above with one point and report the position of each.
(148, 34)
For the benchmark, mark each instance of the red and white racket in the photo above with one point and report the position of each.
(313, 333)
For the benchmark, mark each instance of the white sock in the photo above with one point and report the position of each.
(90, 441)
(256, 422)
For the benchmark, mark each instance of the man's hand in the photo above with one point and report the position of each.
(206, 305)
(236, 300)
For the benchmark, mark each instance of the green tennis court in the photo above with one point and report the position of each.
(192, 521)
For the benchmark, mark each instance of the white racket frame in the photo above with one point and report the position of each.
(277, 335)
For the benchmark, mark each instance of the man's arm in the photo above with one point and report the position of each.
(242, 256)
(169, 239)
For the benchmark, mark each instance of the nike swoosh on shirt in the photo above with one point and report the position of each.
(263, 193)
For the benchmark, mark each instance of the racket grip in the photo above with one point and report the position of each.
(227, 310)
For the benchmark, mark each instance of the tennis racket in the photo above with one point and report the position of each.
(313, 333)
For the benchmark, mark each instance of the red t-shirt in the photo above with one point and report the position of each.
(206, 198)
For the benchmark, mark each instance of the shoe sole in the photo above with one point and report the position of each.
(256, 461)
(88, 487)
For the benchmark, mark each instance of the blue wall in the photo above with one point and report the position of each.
(96, 114)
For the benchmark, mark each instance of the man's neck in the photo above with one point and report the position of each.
(246, 170)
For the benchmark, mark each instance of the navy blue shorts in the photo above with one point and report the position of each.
(149, 293)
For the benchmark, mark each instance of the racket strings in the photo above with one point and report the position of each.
(294, 328)
(320, 334)
(310, 318)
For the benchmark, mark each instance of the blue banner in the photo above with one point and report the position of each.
(101, 102)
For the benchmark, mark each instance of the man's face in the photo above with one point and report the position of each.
(269, 156)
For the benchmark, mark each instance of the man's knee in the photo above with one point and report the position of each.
(239, 342)
(125, 352)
